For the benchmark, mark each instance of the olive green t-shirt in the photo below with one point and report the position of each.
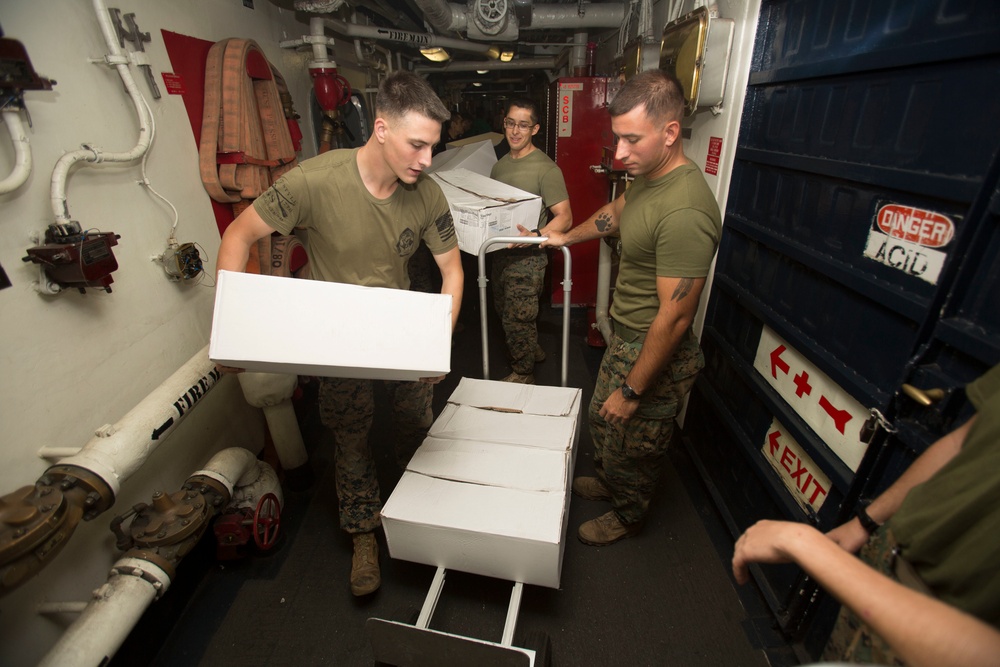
(949, 526)
(535, 173)
(351, 236)
(670, 227)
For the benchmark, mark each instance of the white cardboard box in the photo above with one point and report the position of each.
(493, 137)
(478, 157)
(488, 491)
(482, 208)
(309, 327)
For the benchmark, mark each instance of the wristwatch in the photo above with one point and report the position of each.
(630, 393)
(868, 523)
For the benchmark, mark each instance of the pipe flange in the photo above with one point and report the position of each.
(28, 519)
(490, 16)
(98, 495)
(171, 519)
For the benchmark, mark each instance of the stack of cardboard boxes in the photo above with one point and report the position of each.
(488, 491)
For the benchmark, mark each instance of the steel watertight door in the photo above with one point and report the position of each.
(860, 253)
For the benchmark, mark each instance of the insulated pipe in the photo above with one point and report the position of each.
(22, 152)
(249, 494)
(566, 17)
(119, 59)
(547, 62)
(272, 392)
(444, 16)
(413, 38)
(134, 583)
(232, 467)
(112, 613)
(116, 452)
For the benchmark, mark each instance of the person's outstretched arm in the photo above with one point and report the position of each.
(921, 629)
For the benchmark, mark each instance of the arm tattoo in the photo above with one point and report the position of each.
(682, 290)
(604, 222)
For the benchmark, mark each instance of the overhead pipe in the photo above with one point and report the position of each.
(444, 16)
(84, 485)
(143, 575)
(545, 62)
(419, 40)
(117, 58)
(22, 151)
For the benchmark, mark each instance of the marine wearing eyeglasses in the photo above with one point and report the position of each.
(518, 274)
(524, 125)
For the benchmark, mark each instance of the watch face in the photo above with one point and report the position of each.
(629, 393)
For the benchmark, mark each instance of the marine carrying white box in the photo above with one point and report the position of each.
(488, 490)
(483, 208)
(310, 327)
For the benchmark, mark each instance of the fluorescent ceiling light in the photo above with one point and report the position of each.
(477, 84)
(482, 71)
(435, 53)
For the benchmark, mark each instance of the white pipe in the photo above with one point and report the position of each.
(232, 467)
(22, 152)
(444, 16)
(321, 57)
(578, 54)
(248, 495)
(116, 452)
(602, 318)
(112, 613)
(566, 17)
(547, 62)
(415, 38)
(118, 58)
(272, 392)
(134, 583)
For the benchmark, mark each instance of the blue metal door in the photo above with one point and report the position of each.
(860, 253)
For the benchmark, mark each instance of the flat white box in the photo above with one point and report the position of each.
(488, 491)
(310, 327)
(493, 137)
(483, 208)
(478, 157)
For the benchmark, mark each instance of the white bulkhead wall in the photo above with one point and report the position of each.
(71, 363)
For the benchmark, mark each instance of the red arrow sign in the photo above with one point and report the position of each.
(778, 362)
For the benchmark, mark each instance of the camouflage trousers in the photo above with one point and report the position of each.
(852, 640)
(347, 407)
(629, 457)
(518, 277)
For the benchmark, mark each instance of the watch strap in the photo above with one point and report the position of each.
(868, 523)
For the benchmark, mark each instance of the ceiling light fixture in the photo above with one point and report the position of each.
(482, 71)
(435, 54)
(506, 56)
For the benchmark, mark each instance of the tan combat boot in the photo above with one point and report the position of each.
(591, 488)
(519, 379)
(365, 575)
(605, 529)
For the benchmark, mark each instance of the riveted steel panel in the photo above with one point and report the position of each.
(860, 252)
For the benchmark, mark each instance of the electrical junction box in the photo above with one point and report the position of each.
(696, 49)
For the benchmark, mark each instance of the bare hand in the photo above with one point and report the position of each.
(764, 542)
(617, 409)
(432, 380)
(523, 231)
(229, 370)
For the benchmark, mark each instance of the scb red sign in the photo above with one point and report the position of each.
(927, 228)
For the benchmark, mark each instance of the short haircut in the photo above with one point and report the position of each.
(402, 92)
(523, 103)
(659, 91)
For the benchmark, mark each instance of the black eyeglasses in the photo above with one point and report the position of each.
(510, 124)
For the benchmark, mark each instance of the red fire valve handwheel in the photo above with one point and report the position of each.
(267, 522)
